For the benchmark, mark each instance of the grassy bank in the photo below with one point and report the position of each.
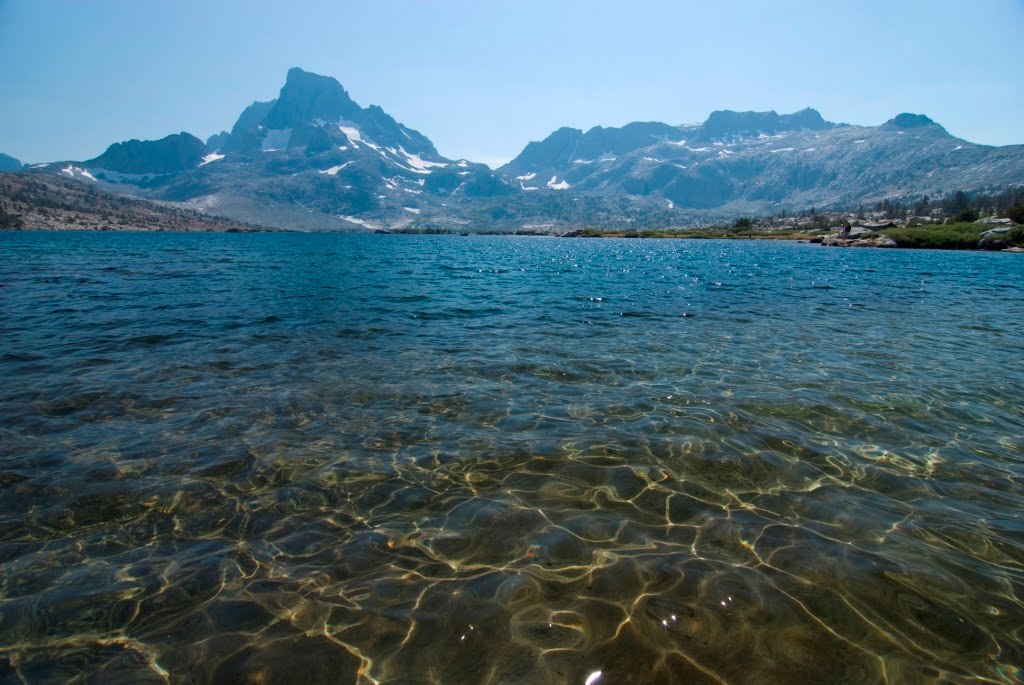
(961, 236)
(736, 234)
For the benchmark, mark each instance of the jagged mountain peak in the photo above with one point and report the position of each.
(726, 123)
(572, 145)
(315, 111)
(217, 141)
(907, 120)
(307, 97)
(298, 74)
(252, 116)
(171, 154)
(807, 119)
(557, 149)
(8, 163)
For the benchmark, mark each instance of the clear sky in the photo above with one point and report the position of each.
(482, 78)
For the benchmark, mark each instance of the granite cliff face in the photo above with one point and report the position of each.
(312, 158)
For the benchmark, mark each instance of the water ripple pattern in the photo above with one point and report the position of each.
(417, 459)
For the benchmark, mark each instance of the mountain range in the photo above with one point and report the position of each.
(314, 159)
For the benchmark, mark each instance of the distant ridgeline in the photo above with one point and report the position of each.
(8, 163)
(956, 207)
(312, 158)
(38, 201)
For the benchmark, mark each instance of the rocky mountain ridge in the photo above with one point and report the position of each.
(42, 201)
(313, 158)
(757, 162)
(8, 163)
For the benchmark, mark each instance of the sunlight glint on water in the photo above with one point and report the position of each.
(445, 459)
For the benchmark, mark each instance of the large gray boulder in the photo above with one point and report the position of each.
(995, 238)
(867, 239)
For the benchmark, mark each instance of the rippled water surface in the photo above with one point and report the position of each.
(401, 459)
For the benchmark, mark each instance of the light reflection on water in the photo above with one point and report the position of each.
(322, 458)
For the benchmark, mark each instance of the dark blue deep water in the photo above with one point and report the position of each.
(404, 459)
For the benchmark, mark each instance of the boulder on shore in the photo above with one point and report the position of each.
(994, 239)
(868, 240)
(995, 221)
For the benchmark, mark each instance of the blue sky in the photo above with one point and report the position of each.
(482, 79)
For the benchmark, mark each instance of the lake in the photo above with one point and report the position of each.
(440, 459)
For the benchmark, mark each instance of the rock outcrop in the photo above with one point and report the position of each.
(995, 239)
(858, 236)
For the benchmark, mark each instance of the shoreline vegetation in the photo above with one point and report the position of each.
(957, 236)
(963, 237)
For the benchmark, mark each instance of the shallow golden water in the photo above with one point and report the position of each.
(480, 460)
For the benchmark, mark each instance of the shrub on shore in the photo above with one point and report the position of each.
(958, 236)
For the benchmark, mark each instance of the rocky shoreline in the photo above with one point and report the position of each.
(999, 239)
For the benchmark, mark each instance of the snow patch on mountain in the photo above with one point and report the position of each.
(212, 157)
(335, 169)
(554, 184)
(356, 220)
(420, 163)
(75, 172)
(353, 135)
